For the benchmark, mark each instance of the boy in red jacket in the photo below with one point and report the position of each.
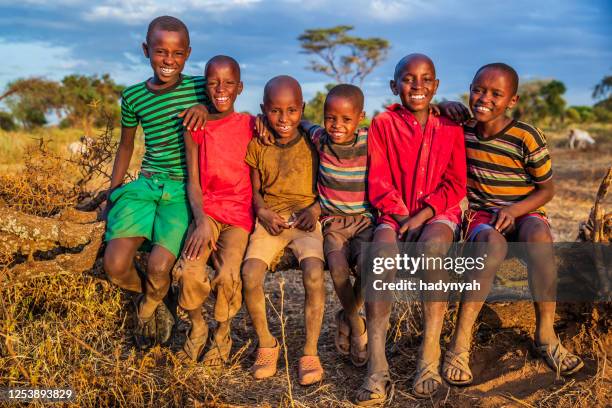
(416, 179)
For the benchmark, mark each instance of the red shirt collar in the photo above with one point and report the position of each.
(401, 110)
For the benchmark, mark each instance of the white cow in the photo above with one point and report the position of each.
(580, 139)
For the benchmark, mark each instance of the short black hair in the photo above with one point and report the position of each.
(284, 80)
(405, 60)
(167, 23)
(347, 91)
(505, 68)
(223, 59)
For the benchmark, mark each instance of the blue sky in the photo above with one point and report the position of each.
(567, 40)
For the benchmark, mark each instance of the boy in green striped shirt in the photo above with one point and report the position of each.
(154, 207)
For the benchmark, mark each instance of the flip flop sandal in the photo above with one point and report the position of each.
(429, 372)
(555, 354)
(265, 362)
(359, 348)
(193, 348)
(459, 361)
(144, 329)
(380, 389)
(343, 333)
(310, 370)
(217, 355)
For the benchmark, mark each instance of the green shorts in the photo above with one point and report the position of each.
(155, 208)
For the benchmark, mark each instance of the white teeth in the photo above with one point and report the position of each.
(417, 97)
(167, 70)
(482, 109)
(223, 99)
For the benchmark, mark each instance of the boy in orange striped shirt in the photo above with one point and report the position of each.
(509, 181)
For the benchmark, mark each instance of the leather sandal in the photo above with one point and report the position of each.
(459, 361)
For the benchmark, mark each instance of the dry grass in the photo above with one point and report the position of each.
(75, 330)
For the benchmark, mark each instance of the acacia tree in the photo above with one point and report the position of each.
(603, 89)
(30, 99)
(90, 100)
(346, 59)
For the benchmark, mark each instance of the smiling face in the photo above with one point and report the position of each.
(167, 51)
(223, 84)
(492, 92)
(415, 82)
(341, 118)
(283, 106)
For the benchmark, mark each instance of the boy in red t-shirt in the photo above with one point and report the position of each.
(416, 180)
(220, 194)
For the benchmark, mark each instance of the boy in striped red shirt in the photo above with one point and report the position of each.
(346, 214)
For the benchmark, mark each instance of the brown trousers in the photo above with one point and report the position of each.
(192, 275)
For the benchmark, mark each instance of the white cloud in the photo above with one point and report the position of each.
(36, 59)
(139, 11)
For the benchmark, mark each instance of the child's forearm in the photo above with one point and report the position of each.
(258, 201)
(194, 190)
(306, 124)
(543, 193)
(123, 156)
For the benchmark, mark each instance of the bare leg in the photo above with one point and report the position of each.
(494, 245)
(349, 295)
(434, 242)
(119, 263)
(253, 277)
(157, 280)
(379, 310)
(543, 281)
(314, 302)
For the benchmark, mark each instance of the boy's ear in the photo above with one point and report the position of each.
(362, 116)
(145, 49)
(263, 110)
(188, 53)
(303, 107)
(513, 101)
(240, 87)
(393, 88)
(437, 83)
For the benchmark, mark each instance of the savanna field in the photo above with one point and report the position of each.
(64, 325)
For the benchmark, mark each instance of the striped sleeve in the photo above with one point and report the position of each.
(128, 116)
(315, 133)
(537, 158)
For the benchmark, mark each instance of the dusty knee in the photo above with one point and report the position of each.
(540, 234)
(159, 268)
(313, 281)
(116, 269)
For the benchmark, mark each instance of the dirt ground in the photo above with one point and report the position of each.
(76, 330)
(506, 372)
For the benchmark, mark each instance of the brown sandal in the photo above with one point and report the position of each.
(218, 354)
(459, 361)
(379, 388)
(555, 354)
(428, 372)
(265, 362)
(193, 348)
(310, 370)
(359, 348)
(343, 333)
